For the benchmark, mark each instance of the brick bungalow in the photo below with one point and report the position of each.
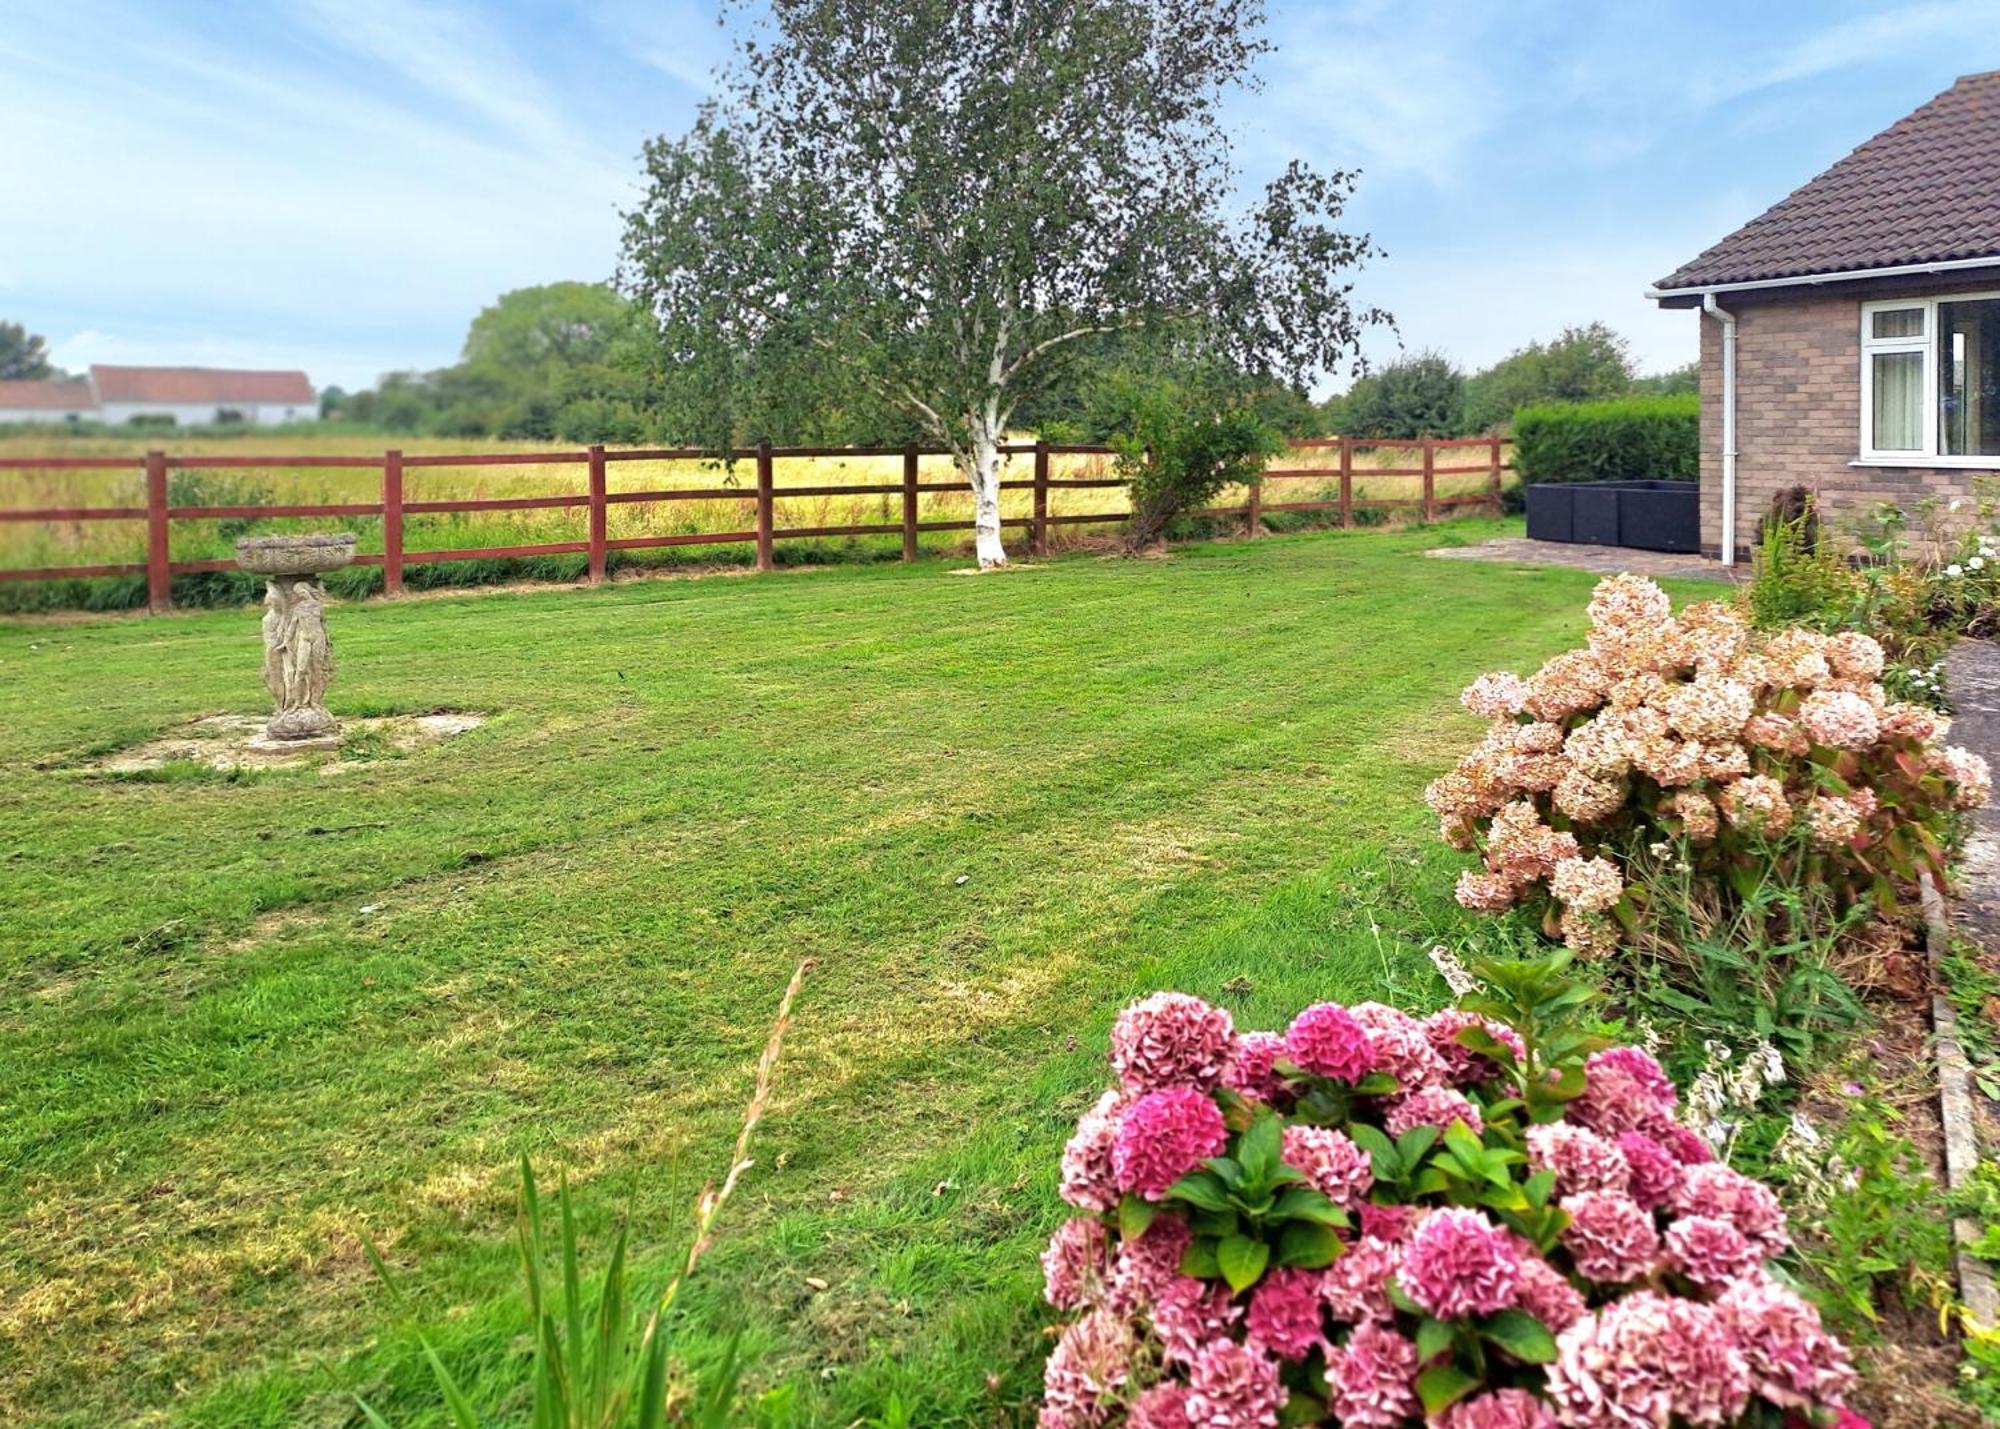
(1850, 336)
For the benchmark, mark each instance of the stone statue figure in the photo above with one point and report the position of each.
(298, 657)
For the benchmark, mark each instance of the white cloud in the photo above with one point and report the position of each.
(1400, 91)
(679, 38)
(188, 191)
(1875, 38)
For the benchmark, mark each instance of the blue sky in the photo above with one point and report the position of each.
(342, 184)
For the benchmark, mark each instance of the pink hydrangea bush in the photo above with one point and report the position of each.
(1694, 744)
(1383, 1221)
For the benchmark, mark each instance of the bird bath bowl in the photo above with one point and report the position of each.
(295, 555)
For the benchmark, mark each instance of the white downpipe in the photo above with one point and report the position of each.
(1728, 321)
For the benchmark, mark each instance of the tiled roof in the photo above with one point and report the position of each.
(1924, 190)
(199, 385)
(60, 394)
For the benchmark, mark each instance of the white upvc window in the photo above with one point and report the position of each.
(1930, 381)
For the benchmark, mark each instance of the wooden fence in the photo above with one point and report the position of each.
(392, 508)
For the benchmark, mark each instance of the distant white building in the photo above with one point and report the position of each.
(178, 396)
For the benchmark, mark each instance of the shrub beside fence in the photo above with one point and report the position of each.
(1438, 457)
(1655, 438)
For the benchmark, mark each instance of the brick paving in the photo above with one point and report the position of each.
(1605, 560)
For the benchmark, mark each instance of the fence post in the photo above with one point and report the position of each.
(159, 575)
(1346, 481)
(910, 502)
(1253, 509)
(1040, 544)
(1430, 481)
(1493, 475)
(596, 515)
(764, 518)
(392, 522)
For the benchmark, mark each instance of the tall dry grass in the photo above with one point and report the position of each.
(35, 544)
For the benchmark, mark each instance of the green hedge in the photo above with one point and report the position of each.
(1651, 438)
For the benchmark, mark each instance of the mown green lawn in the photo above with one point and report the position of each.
(246, 1023)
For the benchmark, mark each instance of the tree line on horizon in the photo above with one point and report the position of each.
(576, 361)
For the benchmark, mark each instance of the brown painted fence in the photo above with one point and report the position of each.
(392, 508)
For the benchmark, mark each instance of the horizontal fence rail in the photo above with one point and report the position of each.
(392, 507)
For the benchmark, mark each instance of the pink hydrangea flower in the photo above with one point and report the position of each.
(1793, 1360)
(1284, 1317)
(1091, 1363)
(1496, 695)
(1332, 1163)
(1708, 1251)
(1499, 1409)
(1188, 1313)
(1713, 1189)
(1462, 1065)
(1685, 1146)
(1372, 1378)
(1073, 1267)
(1165, 1135)
(1386, 1223)
(1609, 1238)
(1624, 1090)
(1402, 1045)
(1251, 1073)
(1232, 1386)
(1547, 1294)
(1327, 1041)
(1172, 1040)
(1146, 1264)
(1164, 1406)
(1460, 1263)
(1355, 1287)
(1581, 1159)
(1647, 1360)
(1431, 1106)
(1087, 1179)
(1656, 1172)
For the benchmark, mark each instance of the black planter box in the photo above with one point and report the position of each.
(1644, 515)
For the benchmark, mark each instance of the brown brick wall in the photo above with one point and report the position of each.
(1798, 410)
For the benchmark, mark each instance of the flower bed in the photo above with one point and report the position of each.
(1693, 748)
(1484, 1219)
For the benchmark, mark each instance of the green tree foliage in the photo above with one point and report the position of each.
(1180, 443)
(931, 207)
(1419, 396)
(1672, 382)
(23, 354)
(1584, 364)
(562, 360)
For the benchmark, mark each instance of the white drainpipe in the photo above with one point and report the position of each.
(1728, 321)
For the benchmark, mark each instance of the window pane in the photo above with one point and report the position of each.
(1901, 322)
(1969, 378)
(1899, 401)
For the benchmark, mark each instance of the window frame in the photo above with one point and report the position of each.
(1928, 454)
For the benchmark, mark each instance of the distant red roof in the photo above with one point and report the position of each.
(1924, 190)
(61, 394)
(199, 385)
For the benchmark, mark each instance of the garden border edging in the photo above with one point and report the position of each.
(1961, 1131)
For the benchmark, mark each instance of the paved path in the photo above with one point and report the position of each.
(1605, 560)
(1973, 677)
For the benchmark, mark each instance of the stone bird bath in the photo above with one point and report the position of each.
(298, 658)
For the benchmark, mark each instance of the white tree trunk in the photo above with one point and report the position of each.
(985, 479)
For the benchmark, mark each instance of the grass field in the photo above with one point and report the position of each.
(35, 545)
(249, 1021)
